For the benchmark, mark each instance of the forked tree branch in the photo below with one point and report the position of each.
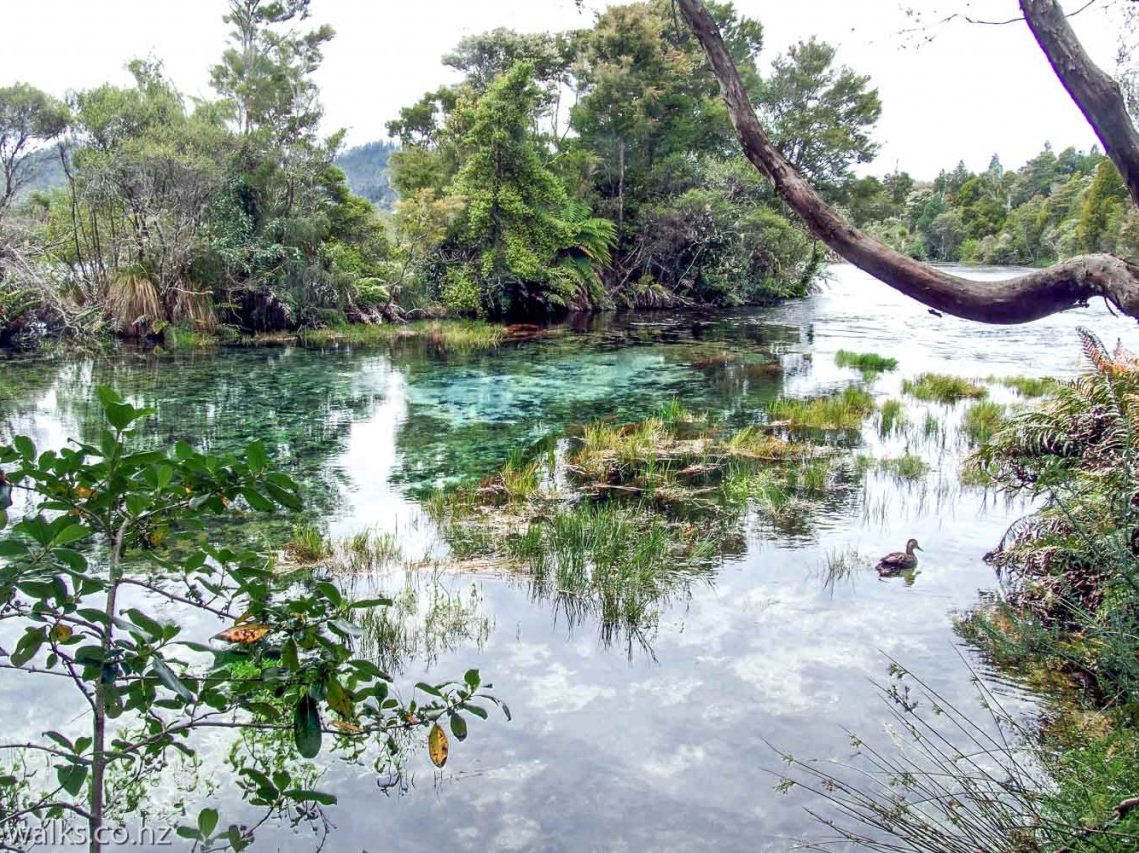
(1068, 284)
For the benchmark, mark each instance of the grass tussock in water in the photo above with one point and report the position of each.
(633, 511)
(982, 420)
(942, 388)
(447, 335)
(308, 545)
(868, 362)
(843, 410)
(891, 418)
(619, 562)
(424, 620)
(177, 338)
(1027, 386)
(367, 551)
(907, 467)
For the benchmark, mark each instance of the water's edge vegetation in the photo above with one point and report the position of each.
(576, 206)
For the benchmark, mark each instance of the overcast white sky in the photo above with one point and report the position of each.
(971, 92)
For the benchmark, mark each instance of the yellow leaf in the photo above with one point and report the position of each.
(437, 746)
(82, 492)
(346, 726)
(61, 633)
(250, 632)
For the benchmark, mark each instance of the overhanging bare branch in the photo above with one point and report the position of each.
(1029, 297)
(1096, 94)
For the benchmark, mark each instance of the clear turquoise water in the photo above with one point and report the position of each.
(612, 746)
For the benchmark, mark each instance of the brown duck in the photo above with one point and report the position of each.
(897, 562)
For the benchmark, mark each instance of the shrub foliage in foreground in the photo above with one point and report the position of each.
(100, 581)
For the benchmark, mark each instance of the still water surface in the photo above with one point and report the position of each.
(621, 745)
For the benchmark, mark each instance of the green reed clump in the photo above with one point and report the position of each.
(308, 544)
(424, 620)
(447, 335)
(982, 420)
(618, 562)
(368, 550)
(468, 541)
(931, 426)
(843, 410)
(520, 479)
(956, 779)
(891, 417)
(868, 362)
(905, 467)
(183, 338)
(1027, 386)
(942, 388)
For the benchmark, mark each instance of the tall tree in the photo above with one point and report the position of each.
(820, 115)
(519, 218)
(28, 118)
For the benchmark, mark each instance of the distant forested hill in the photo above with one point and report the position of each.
(44, 171)
(367, 169)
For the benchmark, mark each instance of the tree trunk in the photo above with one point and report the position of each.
(1029, 297)
(1095, 93)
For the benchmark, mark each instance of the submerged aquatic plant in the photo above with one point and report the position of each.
(942, 388)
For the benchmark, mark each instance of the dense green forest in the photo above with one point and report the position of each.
(593, 169)
(1053, 207)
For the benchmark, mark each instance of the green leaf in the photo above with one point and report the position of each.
(255, 456)
(257, 500)
(289, 656)
(458, 727)
(71, 533)
(306, 727)
(23, 445)
(72, 777)
(107, 395)
(12, 548)
(284, 498)
(207, 822)
(371, 602)
(301, 795)
(429, 689)
(472, 679)
(28, 646)
(166, 676)
(119, 415)
(347, 628)
(70, 558)
(150, 626)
